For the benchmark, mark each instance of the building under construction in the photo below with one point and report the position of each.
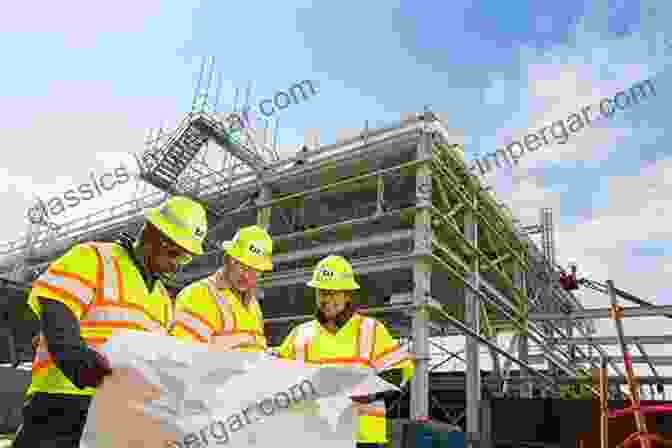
(435, 253)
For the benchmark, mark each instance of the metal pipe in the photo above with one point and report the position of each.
(468, 332)
(664, 360)
(603, 313)
(320, 189)
(613, 340)
(667, 380)
(365, 311)
(341, 247)
(604, 410)
(630, 374)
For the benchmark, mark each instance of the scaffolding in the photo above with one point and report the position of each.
(435, 253)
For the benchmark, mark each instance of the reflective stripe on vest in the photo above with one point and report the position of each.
(107, 316)
(304, 337)
(367, 327)
(119, 316)
(230, 336)
(365, 344)
(391, 357)
(64, 282)
(375, 409)
(110, 273)
(367, 333)
(194, 324)
(225, 311)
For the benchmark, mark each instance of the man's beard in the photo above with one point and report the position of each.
(341, 318)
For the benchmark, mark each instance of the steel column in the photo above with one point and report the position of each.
(523, 342)
(422, 283)
(472, 314)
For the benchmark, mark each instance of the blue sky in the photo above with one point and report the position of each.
(81, 85)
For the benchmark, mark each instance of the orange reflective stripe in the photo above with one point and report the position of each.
(376, 409)
(194, 323)
(117, 316)
(191, 331)
(63, 294)
(68, 282)
(234, 340)
(73, 276)
(304, 336)
(119, 280)
(136, 307)
(250, 332)
(226, 313)
(94, 341)
(390, 357)
(367, 330)
(109, 274)
(99, 275)
(344, 360)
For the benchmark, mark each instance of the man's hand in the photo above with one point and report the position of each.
(133, 382)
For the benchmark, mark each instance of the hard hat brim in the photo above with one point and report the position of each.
(259, 263)
(351, 286)
(183, 238)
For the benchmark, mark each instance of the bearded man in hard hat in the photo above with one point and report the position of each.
(222, 309)
(84, 297)
(340, 336)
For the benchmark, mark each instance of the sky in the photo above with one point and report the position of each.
(82, 84)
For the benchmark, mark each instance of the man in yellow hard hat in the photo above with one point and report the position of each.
(83, 298)
(222, 309)
(340, 336)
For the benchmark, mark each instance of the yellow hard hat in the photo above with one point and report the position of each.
(334, 273)
(183, 221)
(251, 246)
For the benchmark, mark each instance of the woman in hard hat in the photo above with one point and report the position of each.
(341, 336)
(222, 309)
(83, 298)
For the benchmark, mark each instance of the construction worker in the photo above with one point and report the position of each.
(340, 336)
(222, 309)
(83, 298)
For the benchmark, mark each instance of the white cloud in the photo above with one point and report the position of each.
(81, 21)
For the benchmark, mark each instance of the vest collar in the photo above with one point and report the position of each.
(135, 252)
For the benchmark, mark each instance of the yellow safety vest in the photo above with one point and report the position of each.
(362, 341)
(101, 285)
(206, 314)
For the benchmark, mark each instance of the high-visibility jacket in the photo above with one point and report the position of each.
(204, 313)
(101, 285)
(361, 341)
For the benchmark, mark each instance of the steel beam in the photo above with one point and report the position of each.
(361, 266)
(498, 301)
(656, 360)
(534, 333)
(380, 141)
(344, 247)
(613, 340)
(603, 313)
(667, 380)
(469, 333)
